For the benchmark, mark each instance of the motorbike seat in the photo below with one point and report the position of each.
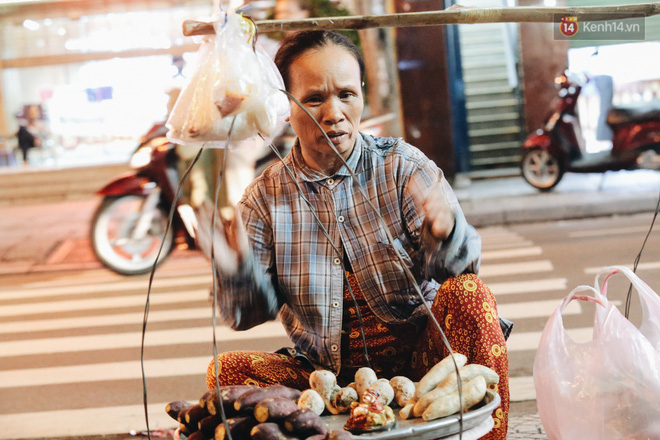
(627, 115)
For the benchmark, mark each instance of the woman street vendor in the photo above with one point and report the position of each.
(345, 296)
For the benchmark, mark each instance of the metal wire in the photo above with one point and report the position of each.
(151, 279)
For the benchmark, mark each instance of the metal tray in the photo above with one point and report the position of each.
(420, 430)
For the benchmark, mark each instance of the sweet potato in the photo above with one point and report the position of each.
(274, 409)
(269, 431)
(229, 394)
(473, 391)
(249, 399)
(407, 411)
(194, 414)
(340, 434)
(174, 408)
(404, 389)
(438, 373)
(344, 399)
(384, 390)
(208, 424)
(197, 435)
(364, 377)
(239, 428)
(305, 423)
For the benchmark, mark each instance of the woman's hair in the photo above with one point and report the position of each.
(294, 45)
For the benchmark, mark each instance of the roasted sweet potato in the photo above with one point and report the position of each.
(340, 434)
(305, 423)
(274, 409)
(208, 424)
(269, 431)
(197, 435)
(229, 394)
(239, 428)
(194, 414)
(249, 399)
(174, 408)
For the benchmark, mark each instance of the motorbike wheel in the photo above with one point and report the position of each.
(112, 227)
(541, 169)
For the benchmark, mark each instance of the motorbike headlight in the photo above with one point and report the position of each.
(141, 157)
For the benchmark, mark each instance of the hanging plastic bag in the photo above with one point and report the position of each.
(234, 83)
(604, 389)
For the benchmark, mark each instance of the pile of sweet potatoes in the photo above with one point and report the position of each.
(251, 413)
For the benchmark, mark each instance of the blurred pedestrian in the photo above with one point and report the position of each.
(30, 131)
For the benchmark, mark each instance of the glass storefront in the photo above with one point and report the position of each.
(101, 80)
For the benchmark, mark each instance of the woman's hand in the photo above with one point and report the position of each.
(439, 218)
(230, 239)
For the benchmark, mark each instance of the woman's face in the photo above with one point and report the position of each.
(327, 82)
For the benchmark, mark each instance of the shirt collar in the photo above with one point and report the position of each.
(311, 175)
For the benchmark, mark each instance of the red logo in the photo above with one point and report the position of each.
(569, 26)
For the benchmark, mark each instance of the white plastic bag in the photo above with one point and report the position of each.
(232, 83)
(604, 389)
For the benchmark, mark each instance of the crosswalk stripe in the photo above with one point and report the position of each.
(105, 320)
(608, 232)
(84, 422)
(26, 377)
(649, 265)
(511, 253)
(142, 285)
(537, 309)
(505, 245)
(524, 341)
(137, 299)
(153, 338)
(522, 388)
(543, 285)
(493, 270)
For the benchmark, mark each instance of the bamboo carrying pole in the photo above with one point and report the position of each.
(453, 15)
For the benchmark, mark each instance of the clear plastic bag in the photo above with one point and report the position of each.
(233, 83)
(607, 388)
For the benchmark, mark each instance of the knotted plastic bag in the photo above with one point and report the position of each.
(607, 388)
(234, 83)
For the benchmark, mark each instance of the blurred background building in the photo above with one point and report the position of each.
(467, 95)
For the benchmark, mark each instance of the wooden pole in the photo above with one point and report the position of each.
(453, 15)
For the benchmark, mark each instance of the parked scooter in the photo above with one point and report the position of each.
(559, 147)
(128, 226)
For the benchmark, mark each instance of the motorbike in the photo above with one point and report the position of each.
(129, 224)
(558, 147)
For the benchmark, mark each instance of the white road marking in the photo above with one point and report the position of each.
(608, 232)
(105, 320)
(650, 265)
(153, 338)
(84, 422)
(120, 286)
(26, 377)
(522, 388)
(543, 285)
(493, 270)
(523, 341)
(505, 245)
(511, 253)
(536, 309)
(137, 299)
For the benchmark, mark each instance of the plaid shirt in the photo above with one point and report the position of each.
(294, 270)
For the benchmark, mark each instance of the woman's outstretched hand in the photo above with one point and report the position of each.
(439, 218)
(230, 239)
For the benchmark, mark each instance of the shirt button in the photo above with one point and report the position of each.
(331, 181)
(337, 261)
(334, 347)
(340, 219)
(335, 304)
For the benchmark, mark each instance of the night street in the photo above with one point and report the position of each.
(70, 340)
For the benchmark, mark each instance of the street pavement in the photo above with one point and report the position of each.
(52, 237)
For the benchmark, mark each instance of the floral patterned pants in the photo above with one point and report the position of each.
(464, 307)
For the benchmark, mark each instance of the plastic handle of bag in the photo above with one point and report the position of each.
(574, 295)
(642, 288)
